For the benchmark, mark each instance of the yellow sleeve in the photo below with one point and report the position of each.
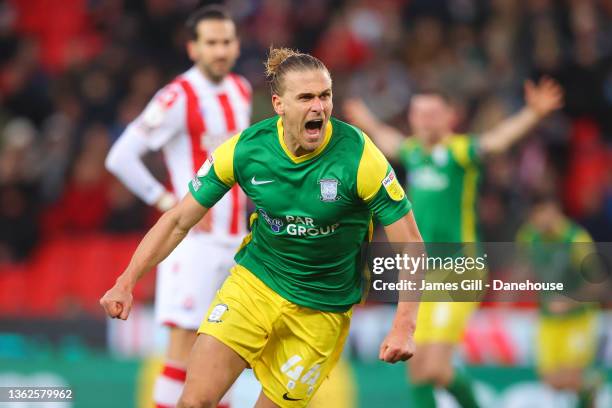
(583, 236)
(389, 203)
(582, 247)
(208, 187)
(372, 170)
(523, 235)
(223, 158)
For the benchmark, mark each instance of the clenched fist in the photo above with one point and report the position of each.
(397, 346)
(117, 302)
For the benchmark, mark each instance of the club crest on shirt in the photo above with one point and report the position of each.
(439, 156)
(329, 190)
(155, 112)
(393, 187)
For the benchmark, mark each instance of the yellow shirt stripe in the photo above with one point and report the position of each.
(372, 170)
(459, 146)
(468, 205)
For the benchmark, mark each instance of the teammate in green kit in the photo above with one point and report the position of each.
(443, 171)
(557, 250)
(316, 183)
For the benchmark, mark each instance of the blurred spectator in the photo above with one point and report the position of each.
(56, 145)
(587, 172)
(340, 47)
(126, 212)
(23, 85)
(84, 205)
(19, 200)
(65, 34)
(386, 86)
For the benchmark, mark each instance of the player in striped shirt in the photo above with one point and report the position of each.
(187, 120)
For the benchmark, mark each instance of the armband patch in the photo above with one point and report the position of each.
(393, 187)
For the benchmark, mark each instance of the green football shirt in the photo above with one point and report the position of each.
(312, 212)
(558, 258)
(442, 186)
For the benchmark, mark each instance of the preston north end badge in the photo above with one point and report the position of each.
(329, 190)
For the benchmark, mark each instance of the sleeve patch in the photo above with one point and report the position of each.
(153, 115)
(393, 187)
(168, 96)
(155, 112)
(196, 183)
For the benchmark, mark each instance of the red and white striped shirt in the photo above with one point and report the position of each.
(187, 120)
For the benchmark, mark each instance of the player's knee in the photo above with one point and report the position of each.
(573, 381)
(423, 373)
(554, 381)
(431, 371)
(180, 344)
(416, 365)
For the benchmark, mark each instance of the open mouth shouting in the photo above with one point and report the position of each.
(314, 130)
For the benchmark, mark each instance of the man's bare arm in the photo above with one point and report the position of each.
(399, 343)
(385, 137)
(541, 99)
(157, 244)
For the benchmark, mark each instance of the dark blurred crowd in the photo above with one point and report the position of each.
(74, 73)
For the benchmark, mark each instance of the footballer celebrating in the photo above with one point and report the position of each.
(187, 120)
(443, 172)
(285, 309)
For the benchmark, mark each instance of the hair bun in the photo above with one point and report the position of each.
(276, 57)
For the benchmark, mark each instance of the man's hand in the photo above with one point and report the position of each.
(117, 302)
(386, 138)
(166, 201)
(540, 99)
(166, 234)
(397, 346)
(544, 97)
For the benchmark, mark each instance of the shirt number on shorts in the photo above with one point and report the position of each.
(293, 370)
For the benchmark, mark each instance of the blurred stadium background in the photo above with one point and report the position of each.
(74, 73)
